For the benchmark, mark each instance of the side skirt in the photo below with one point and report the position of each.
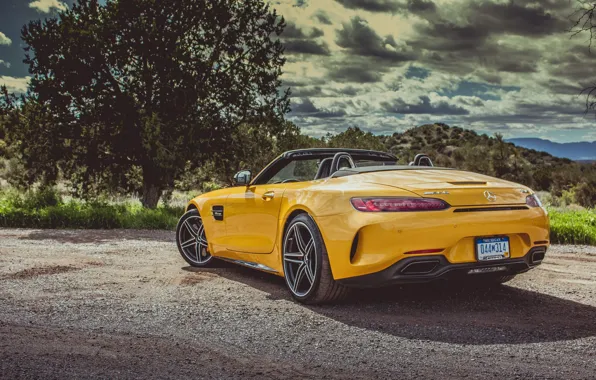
(249, 264)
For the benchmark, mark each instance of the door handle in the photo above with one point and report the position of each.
(268, 195)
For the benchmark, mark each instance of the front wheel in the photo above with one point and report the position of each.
(306, 265)
(192, 241)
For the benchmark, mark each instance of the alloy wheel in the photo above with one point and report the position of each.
(193, 241)
(299, 256)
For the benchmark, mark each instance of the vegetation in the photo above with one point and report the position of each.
(152, 89)
(465, 149)
(165, 96)
(47, 209)
(570, 226)
(251, 147)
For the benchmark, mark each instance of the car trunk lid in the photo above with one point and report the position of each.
(458, 188)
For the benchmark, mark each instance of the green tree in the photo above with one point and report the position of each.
(500, 156)
(253, 146)
(354, 137)
(148, 86)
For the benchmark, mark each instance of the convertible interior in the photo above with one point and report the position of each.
(302, 165)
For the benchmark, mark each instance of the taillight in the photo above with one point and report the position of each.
(533, 201)
(398, 204)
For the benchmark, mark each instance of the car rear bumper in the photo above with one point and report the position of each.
(436, 267)
(360, 243)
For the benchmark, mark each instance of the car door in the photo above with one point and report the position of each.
(251, 218)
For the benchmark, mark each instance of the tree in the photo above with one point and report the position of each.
(586, 24)
(148, 86)
(354, 137)
(253, 146)
(24, 119)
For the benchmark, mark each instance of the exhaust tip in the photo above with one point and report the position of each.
(538, 256)
(420, 267)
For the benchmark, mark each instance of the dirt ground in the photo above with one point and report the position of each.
(123, 304)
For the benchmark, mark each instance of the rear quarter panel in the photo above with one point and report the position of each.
(327, 198)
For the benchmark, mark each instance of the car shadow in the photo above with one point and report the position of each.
(436, 312)
(99, 236)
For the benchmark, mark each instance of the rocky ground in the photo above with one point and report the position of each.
(123, 304)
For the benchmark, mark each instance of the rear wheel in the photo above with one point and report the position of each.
(192, 241)
(306, 265)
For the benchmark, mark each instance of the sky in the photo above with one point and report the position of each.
(494, 66)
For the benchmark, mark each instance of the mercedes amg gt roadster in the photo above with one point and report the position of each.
(330, 219)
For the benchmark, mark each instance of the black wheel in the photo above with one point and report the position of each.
(306, 265)
(191, 240)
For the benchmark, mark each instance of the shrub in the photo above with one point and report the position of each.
(46, 210)
(585, 194)
(567, 197)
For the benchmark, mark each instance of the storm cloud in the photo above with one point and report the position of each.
(388, 65)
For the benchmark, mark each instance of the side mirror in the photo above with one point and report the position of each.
(242, 178)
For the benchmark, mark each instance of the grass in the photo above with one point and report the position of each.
(47, 209)
(573, 226)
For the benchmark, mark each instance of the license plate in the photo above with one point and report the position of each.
(494, 248)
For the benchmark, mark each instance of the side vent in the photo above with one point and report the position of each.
(354, 247)
(217, 212)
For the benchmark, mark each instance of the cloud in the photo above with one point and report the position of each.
(4, 63)
(305, 107)
(360, 39)
(4, 40)
(354, 73)
(297, 40)
(306, 47)
(421, 6)
(423, 106)
(292, 31)
(489, 65)
(15, 85)
(46, 6)
(322, 17)
(373, 5)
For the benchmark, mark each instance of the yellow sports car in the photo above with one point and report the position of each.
(331, 219)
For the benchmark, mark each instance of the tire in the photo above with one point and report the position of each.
(191, 240)
(306, 265)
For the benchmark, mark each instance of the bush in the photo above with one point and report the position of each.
(45, 209)
(585, 194)
(567, 197)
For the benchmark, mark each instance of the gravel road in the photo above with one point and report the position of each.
(123, 304)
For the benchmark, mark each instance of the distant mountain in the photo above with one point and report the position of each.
(578, 151)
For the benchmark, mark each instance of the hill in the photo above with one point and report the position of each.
(465, 149)
(579, 151)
